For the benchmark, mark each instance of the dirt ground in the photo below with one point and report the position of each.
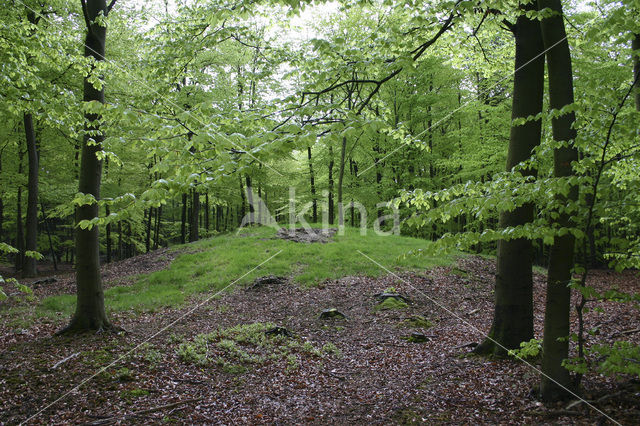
(378, 375)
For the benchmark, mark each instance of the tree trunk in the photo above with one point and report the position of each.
(252, 211)
(513, 313)
(183, 224)
(195, 214)
(19, 263)
(156, 232)
(206, 212)
(314, 200)
(343, 149)
(53, 252)
(635, 46)
(244, 204)
(556, 380)
(29, 267)
(107, 212)
(330, 200)
(1, 207)
(90, 312)
(147, 241)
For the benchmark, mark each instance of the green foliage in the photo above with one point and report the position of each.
(528, 350)
(235, 349)
(621, 358)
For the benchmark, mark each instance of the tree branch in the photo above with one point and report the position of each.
(113, 3)
(85, 13)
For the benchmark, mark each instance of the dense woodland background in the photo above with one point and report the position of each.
(163, 122)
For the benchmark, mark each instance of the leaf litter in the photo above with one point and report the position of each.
(375, 374)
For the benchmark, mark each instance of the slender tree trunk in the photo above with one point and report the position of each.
(90, 312)
(242, 211)
(252, 211)
(556, 378)
(330, 200)
(195, 214)
(1, 207)
(206, 212)
(53, 252)
(29, 269)
(314, 199)
(120, 248)
(635, 46)
(260, 213)
(183, 224)
(513, 313)
(343, 149)
(156, 232)
(147, 241)
(107, 212)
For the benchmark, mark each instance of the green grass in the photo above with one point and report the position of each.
(212, 264)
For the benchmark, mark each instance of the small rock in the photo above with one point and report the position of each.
(332, 313)
(381, 297)
(269, 279)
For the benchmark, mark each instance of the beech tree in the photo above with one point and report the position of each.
(90, 310)
(513, 312)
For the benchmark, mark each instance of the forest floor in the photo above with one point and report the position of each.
(209, 361)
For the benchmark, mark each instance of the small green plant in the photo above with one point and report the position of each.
(528, 350)
(331, 349)
(292, 363)
(134, 393)
(195, 352)
(416, 321)
(124, 375)
(150, 354)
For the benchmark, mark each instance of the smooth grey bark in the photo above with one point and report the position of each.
(513, 312)
(31, 241)
(90, 311)
(556, 379)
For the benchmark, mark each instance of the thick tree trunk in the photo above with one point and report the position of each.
(556, 380)
(513, 313)
(314, 200)
(635, 46)
(195, 214)
(90, 312)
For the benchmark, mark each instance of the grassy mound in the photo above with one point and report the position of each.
(212, 264)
